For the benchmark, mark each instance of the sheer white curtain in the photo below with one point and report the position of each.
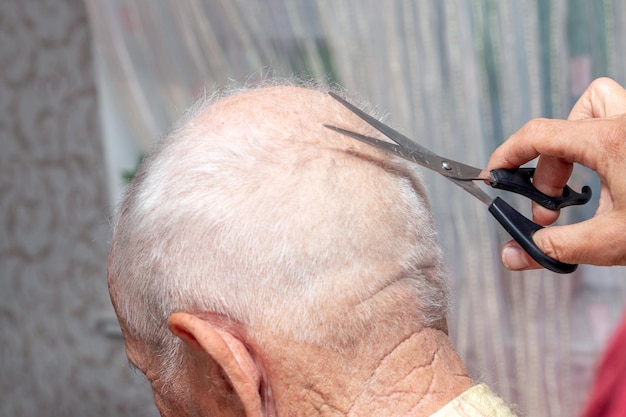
(460, 76)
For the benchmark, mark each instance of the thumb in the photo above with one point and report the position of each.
(597, 241)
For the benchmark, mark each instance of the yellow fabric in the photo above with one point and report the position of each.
(477, 401)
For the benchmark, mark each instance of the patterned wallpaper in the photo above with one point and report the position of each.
(54, 229)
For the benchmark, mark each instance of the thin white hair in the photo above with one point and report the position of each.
(267, 227)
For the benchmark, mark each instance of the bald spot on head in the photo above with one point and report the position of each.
(340, 189)
(282, 224)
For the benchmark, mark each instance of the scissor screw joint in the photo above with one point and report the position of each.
(446, 165)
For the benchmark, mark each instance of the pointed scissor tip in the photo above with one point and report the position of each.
(335, 128)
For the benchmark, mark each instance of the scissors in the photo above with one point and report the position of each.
(518, 181)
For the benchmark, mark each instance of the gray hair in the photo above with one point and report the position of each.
(265, 223)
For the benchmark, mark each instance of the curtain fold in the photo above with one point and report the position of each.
(460, 76)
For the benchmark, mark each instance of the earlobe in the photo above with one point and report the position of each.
(204, 337)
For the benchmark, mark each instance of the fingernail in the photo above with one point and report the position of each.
(514, 259)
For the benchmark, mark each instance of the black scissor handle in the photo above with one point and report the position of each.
(522, 230)
(519, 181)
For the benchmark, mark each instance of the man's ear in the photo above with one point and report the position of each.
(227, 352)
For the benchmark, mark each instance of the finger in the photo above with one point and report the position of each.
(603, 98)
(544, 216)
(551, 175)
(569, 140)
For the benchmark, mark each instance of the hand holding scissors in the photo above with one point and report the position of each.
(594, 135)
(515, 180)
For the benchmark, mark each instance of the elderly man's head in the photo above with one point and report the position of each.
(256, 238)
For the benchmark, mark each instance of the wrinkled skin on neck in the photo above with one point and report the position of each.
(414, 376)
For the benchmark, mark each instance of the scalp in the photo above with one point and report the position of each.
(252, 209)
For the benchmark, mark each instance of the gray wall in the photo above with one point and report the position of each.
(54, 230)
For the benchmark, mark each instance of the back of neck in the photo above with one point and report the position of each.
(406, 373)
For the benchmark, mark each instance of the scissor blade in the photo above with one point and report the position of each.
(416, 157)
(408, 148)
(412, 156)
(460, 171)
(391, 133)
(446, 167)
(474, 190)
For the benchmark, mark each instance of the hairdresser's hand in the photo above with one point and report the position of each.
(595, 136)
